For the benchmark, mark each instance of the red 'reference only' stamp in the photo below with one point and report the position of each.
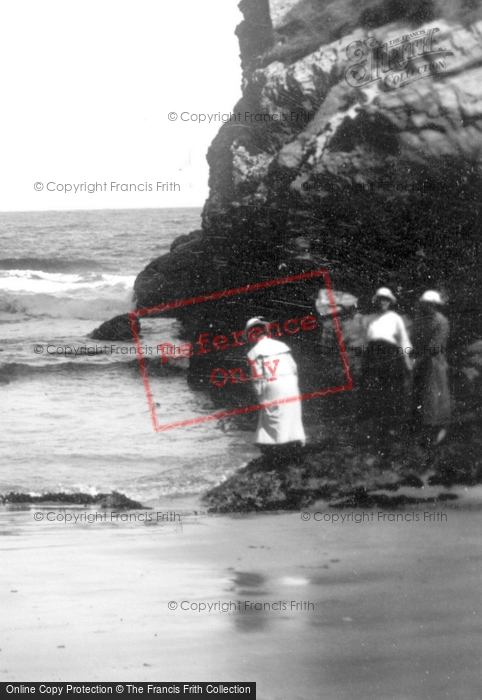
(167, 353)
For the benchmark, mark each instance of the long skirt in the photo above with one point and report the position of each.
(383, 390)
(431, 396)
(282, 423)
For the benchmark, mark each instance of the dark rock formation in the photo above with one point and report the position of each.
(370, 153)
(118, 328)
(347, 474)
(177, 275)
(114, 500)
(255, 33)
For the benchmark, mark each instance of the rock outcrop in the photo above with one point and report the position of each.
(117, 328)
(359, 131)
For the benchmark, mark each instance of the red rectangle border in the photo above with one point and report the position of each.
(228, 293)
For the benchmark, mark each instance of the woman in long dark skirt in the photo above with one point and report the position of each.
(386, 361)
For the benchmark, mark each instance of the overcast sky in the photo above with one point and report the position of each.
(86, 91)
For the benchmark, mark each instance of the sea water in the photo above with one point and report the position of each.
(82, 423)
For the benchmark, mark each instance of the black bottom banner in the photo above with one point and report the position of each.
(179, 690)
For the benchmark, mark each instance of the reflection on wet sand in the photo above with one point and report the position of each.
(251, 615)
(370, 610)
(396, 615)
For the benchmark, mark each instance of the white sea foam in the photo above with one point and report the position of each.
(83, 423)
(90, 296)
(38, 282)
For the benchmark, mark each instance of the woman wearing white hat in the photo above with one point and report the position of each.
(280, 430)
(385, 364)
(431, 395)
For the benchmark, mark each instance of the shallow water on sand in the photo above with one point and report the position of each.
(81, 422)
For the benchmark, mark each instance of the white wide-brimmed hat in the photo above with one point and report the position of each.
(384, 293)
(432, 297)
(256, 321)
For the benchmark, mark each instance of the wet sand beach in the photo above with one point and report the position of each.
(383, 609)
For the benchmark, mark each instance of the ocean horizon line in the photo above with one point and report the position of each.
(50, 211)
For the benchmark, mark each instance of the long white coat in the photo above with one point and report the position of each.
(277, 380)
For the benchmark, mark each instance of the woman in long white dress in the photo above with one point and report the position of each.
(274, 374)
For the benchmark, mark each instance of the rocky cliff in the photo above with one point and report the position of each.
(356, 146)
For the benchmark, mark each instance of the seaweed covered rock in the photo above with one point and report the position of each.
(258, 488)
(347, 474)
(114, 500)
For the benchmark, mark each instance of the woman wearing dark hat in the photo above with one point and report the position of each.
(386, 360)
(431, 396)
(280, 432)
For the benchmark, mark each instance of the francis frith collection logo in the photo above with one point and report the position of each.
(395, 63)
